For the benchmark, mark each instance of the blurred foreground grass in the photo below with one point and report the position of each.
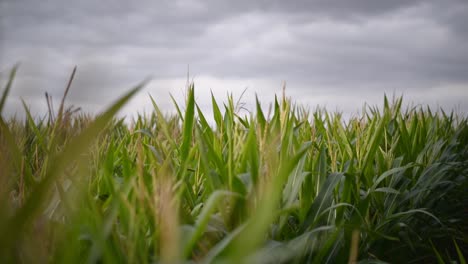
(293, 186)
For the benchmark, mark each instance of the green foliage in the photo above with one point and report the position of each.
(293, 187)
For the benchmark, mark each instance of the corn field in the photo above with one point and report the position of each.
(287, 185)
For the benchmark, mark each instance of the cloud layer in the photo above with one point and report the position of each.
(333, 53)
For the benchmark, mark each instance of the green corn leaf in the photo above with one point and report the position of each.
(323, 200)
(204, 217)
(7, 88)
(187, 129)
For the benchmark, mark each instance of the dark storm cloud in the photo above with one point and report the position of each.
(389, 50)
(324, 47)
(328, 8)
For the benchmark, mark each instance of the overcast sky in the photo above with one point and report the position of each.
(337, 54)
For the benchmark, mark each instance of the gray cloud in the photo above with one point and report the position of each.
(327, 49)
